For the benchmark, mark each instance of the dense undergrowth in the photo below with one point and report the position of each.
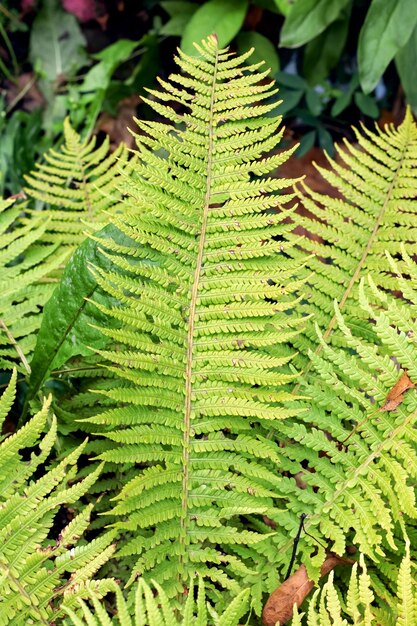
(212, 390)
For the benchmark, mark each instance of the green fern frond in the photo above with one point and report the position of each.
(78, 183)
(371, 211)
(33, 570)
(152, 607)
(362, 450)
(360, 606)
(26, 269)
(203, 324)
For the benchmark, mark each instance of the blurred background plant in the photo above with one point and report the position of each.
(335, 61)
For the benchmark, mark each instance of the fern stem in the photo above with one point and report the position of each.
(183, 539)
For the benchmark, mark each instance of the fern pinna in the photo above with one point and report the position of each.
(203, 296)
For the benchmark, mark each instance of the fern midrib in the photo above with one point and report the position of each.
(183, 539)
(360, 265)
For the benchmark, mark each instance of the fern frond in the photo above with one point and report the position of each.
(328, 606)
(78, 183)
(204, 301)
(371, 211)
(363, 450)
(33, 570)
(152, 607)
(26, 269)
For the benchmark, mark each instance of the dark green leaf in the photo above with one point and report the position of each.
(221, 17)
(306, 143)
(406, 62)
(314, 102)
(180, 14)
(264, 49)
(322, 53)
(326, 141)
(366, 104)
(309, 18)
(178, 7)
(290, 99)
(387, 28)
(283, 6)
(66, 325)
(290, 80)
(345, 98)
(57, 46)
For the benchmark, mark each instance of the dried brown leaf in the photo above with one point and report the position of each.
(279, 607)
(396, 395)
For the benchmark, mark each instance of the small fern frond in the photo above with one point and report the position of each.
(152, 607)
(371, 211)
(406, 591)
(78, 183)
(33, 569)
(361, 605)
(366, 460)
(204, 317)
(26, 269)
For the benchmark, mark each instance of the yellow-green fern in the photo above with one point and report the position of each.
(205, 300)
(152, 607)
(371, 210)
(78, 183)
(27, 267)
(36, 572)
(360, 606)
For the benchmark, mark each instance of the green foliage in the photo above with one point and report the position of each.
(370, 212)
(69, 317)
(387, 28)
(152, 607)
(203, 298)
(223, 17)
(33, 569)
(359, 605)
(365, 485)
(196, 297)
(79, 184)
(26, 267)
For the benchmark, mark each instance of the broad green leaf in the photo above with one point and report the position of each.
(406, 62)
(223, 18)
(366, 104)
(57, 46)
(387, 29)
(314, 102)
(284, 6)
(293, 81)
(345, 98)
(290, 99)
(322, 53)
(307, 142)
(264, 49)
(180, 13)
(66, 325)
(309, 18)
(99, 76)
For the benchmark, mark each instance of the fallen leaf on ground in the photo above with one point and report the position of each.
(396, 395)
(279, 607)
